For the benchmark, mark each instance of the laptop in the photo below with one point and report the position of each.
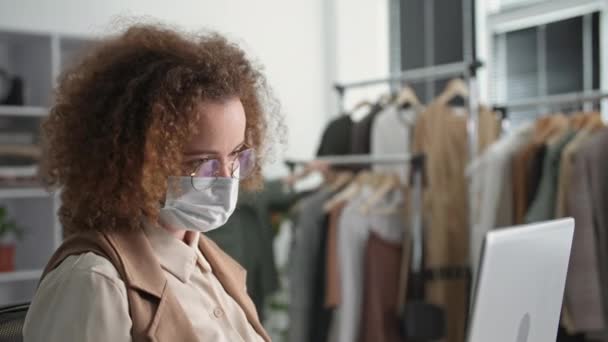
(521, 283)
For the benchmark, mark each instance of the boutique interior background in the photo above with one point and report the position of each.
(306, 46)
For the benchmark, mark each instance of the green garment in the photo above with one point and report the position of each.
(248, 237)
(543, 206)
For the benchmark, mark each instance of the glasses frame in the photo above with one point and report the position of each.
(233, 168)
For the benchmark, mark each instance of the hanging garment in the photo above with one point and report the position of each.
(534, 172)
(336, 139)
(247, 237)
(391, 135)
(332, 291)
(564, 336)
(565, 172)
(320, 315)
(442, 135)
(525, 184)
(487, 172)
(382, 263)
(362, 131)
(302, 273)
(353, 231)
(527, 175)
(490, 122)
(504, 216)
(591, 122)
(543, 206)
(586, 202)
(562, 210)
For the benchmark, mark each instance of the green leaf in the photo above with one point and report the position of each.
(8, 226)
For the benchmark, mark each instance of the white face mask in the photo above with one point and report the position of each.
(188, 208)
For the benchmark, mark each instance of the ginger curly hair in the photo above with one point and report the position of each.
(124, 112)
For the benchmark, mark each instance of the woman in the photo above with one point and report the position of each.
(148, 140)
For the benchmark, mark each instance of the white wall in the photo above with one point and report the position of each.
(362, 46)
(286, 36)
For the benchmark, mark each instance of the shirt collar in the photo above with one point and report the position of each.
(177, 257)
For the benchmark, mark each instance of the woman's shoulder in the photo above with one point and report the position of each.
(87, 265)
(82, 291)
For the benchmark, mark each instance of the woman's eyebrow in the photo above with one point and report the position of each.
(195, 153)
(238, 147)
(201, 152)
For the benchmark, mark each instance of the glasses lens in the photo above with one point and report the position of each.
(244, 164)
(208, 168)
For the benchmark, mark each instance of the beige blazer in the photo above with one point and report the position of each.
(155, 312)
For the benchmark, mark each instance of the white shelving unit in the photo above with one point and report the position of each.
(20, 276)
(38, 59)
(24, 192)
(25, 111)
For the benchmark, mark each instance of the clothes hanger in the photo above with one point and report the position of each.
(389, 182)
(454, 89)
(341, 178)
(347, 193)
(577, 120)
(360, 110)
(560, 125)
(542, 129)
(407, 98)
(593, 122)
(550, 128)
(361, 104)
(312, 166)
(386, 99)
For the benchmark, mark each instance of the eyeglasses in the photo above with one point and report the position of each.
(241, 167)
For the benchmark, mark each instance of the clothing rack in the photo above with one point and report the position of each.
(549, 100)
(416, 258)
(467, 70)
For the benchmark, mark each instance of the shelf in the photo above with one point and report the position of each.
(7, 277)
(25, 111)
(23, 192)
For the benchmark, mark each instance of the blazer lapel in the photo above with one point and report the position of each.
(144, 274)
(171, 321)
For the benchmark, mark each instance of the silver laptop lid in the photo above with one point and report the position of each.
(521, 283)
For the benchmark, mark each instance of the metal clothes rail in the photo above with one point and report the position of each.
(421, 74)
(560, 99)
(359, 159)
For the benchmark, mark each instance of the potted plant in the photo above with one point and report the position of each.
(9, 234)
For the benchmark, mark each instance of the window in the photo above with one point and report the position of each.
(554, 58)
(431, 32)
(507, 4)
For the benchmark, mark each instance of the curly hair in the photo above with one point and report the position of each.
(124, 112)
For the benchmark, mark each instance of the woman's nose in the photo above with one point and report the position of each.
(225, 170)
